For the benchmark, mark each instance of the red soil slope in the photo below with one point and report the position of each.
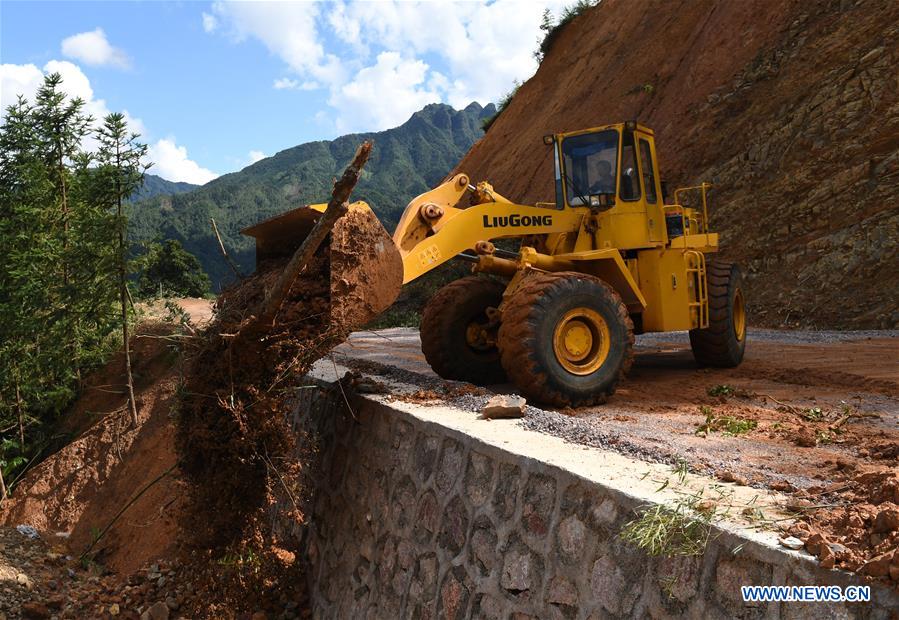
(791, 108)
(79, 490)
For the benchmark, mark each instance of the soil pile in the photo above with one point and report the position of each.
(791, 109)
(237, 449)
(862, 533)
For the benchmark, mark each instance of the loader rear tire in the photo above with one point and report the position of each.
(452, 331)
(565, 339)
(723, 342)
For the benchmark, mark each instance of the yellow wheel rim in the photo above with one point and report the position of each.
(581, 341)
(739, 316)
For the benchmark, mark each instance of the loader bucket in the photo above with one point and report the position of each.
(366, 268)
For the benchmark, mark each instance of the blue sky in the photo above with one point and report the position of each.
(214, 85)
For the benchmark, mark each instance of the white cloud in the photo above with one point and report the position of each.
(382, 95)
(256, 156)
(291, 84)
(210, 23)
(171, 162)
(288, 30)
(437, 51)
(25, 80)
(18, 80)
(455, 33)
(92, 48)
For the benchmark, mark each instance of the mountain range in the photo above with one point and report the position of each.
(406, 161)
(155, 185)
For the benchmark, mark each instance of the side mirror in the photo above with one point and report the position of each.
(549, 139)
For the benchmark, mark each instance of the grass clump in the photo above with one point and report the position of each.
(720, 390)
(725, 424)
(681, 529)
(813, 414)
(552, 28)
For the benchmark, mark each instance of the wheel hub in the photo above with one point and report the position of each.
(581, 341)
(479, 337)
(578, 339)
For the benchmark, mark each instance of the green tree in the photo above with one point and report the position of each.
(37, 343)
(61, 128)
(168, 269)
(119, 173)
(61, 230)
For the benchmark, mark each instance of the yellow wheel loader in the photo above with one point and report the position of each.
(607, 259)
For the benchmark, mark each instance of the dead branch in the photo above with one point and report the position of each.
(792, 408)
(224, 252)
(337, 206)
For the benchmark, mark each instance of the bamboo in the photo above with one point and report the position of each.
(224, 252)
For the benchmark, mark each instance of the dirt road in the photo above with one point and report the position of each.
(804, 409)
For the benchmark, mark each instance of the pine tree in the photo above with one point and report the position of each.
(120, 173)
(61, 128)
(33, 364)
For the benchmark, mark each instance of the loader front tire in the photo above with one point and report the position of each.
(565, 339)
(723, 342)
(458, 339)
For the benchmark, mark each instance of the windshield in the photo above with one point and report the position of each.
(590, 161)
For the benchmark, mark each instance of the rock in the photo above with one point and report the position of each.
(886, 521)
(729, 476)
(34, 611)
(805, 439)
(24, 580)
(517, 573)
(157, 611)
(562, 592)
(818, 545)
(571, 536)
(27, 531)
(894, 572)
(608, 585)
(503, 406)
(797, 504)
(878, 566)
(114, 609)
(791, 542)
(55, 602)
(171, 603)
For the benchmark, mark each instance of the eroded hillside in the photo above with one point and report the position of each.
(790, 108)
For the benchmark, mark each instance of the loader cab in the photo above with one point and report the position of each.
(612, 170)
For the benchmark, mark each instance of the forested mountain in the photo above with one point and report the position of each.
(406, 161)
(156, 186)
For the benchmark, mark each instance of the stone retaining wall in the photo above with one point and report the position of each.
(411, 519)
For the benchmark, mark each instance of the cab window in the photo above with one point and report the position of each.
(649, 174)
(588, 165)
(630, 184)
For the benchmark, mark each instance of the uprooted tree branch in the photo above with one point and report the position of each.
(337, 207)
